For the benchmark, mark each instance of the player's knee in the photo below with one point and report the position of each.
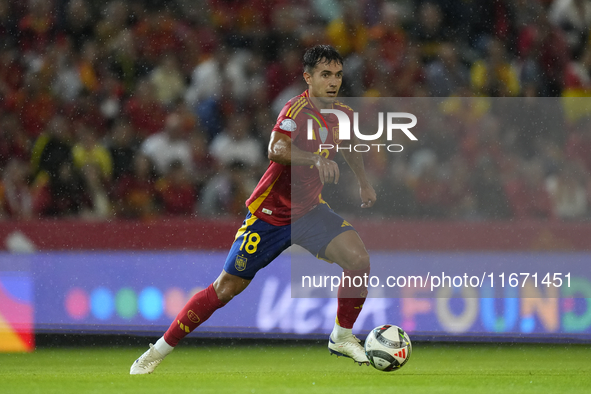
(225, 294)
(358, 261)
(226, 291)
(227, 287)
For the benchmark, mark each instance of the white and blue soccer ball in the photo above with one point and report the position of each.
(388, 347)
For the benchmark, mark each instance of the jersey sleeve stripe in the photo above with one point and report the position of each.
(342, 105)
(299, 109)
(291, 107)
(254, 206)
(298, 105)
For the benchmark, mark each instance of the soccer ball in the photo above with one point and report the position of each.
(388, 348)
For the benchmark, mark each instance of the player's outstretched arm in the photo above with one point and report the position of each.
(283, 152)
(366, 191)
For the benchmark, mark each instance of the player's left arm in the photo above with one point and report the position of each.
(366, 191)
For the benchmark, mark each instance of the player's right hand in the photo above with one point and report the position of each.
(328, 170)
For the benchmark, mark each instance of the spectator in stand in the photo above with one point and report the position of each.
(115, 19)
(144, 111)
(495, 19)
(482, 141)
(263, 118)
(578, 144)
(13, 142)
(568, 192)
(494, 76)
(390, 37)
(133, 194)
(15, 193)
(122, 148)
(396, 197)
(547, 48)
(176, 192)
(527, 12)
(3, 214)
(577, 81)
(445, 127)
(86, 110)
(189, 121)
(283, 72)
(96, 185)
(168, 80)
(155, 33)
(34, 105)
(225, 193)
(574, 18)
(251, 92)
(67, 85)
(169, 145)
(78, 23)
(237, 144)
(204, 164)
(527, 194)
(447, 75)
(348, 33)
(220, 83)
(88, 66)
(467, 21)
(283, 31)
(550, 154)
(8, 25)
(487, 189)
(126, 63)
(527, 121)
(52, 148)
(430, 192)
(12, 72)
(459, 202)
(61, 195)
(89, 150)
(37, 27)
(243, 19)
(410, 77)
(428, 32)
(109, 97)
(373, 73)
(207, 78)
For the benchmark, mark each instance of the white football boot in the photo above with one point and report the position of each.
(147, 362)
(349, 347)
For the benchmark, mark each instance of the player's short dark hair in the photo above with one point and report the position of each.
(318, 54)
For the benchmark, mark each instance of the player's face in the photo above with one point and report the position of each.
(325, 81)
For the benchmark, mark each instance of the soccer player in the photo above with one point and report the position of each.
(286, 208)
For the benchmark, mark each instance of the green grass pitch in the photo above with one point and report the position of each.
(272, 368)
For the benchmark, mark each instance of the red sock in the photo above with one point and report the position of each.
(351, 298)
(199, 308)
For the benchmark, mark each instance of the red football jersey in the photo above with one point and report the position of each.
(286, 193)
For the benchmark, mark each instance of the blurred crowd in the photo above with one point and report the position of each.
(142, 109)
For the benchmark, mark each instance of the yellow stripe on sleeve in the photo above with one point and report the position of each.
(297, 111)
(298, 105)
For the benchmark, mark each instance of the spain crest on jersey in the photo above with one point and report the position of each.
(335, 135)
(240, 263)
